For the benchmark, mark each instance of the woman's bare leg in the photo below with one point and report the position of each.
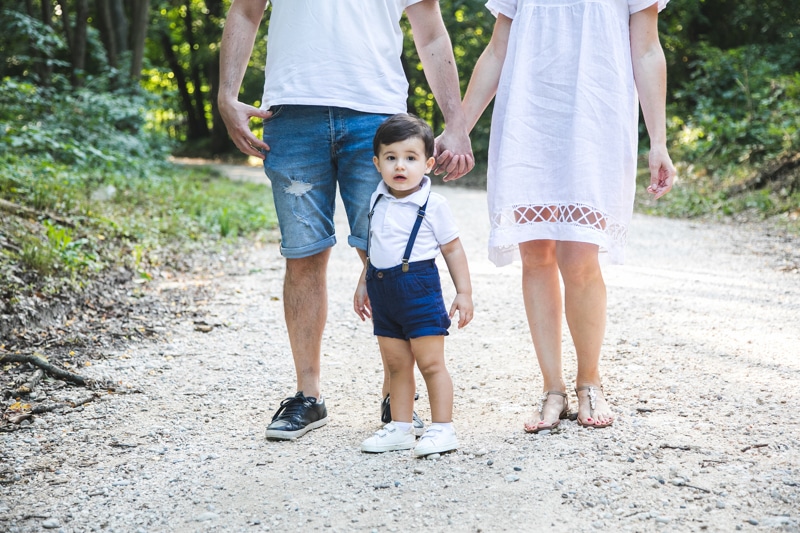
(585, 305)
(541, 292)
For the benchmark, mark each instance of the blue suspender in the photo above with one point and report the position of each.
(369, 223)
(411, 238)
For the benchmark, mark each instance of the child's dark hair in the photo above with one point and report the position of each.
(400, 127)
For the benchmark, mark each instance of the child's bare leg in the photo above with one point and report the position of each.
(429, 354)
(387, 378)
(541, 292)
(399, 360)
(585, 304)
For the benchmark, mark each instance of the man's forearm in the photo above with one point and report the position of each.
(238, 38)
(438, 63)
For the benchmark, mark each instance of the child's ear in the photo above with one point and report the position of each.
(429, 163)
(375, 162)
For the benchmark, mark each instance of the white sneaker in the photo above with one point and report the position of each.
(388, 439)
(436, 439)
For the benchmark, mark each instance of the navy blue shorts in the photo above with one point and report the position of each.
(407, 305)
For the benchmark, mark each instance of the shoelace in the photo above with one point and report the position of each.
(292, 406)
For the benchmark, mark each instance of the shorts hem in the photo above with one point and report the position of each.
(308, 251)
(357, 242)
(428, 332)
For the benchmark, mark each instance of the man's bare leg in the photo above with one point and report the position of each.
(305, 304)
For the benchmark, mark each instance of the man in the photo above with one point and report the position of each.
(333, 74)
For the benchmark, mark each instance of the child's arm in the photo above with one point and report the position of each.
(456, 260)
(361, 303)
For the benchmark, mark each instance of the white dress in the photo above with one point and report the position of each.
(563, 145)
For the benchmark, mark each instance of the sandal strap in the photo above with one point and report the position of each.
(543, 400)
(592, 394)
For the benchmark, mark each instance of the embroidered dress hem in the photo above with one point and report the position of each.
(559, 222)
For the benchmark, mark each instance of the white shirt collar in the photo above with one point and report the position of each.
(419, 197)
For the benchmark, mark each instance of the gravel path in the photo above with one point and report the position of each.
(700, 361)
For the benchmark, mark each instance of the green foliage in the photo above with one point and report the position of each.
(741, 109)
(27, 43)
(37, 257)
(736, 115)
(89, 221)
(75, 126)
(84, 162)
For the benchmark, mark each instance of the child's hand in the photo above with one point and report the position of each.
(361, 302)
(463, 304)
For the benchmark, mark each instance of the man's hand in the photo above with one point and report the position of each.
(236, 116)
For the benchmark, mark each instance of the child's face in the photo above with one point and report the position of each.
(402, 165)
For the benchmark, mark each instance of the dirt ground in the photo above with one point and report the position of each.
(701, 362)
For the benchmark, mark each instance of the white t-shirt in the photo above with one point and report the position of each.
(340, 53)
(394, 219)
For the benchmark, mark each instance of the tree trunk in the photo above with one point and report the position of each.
(106, 27)
(194, 74)
(65, 21)
(78, 47)
(45, 69)
(183, 89)
(76, 38)
(139, 20)
(119, 25)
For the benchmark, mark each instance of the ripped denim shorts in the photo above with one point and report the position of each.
(314, 149)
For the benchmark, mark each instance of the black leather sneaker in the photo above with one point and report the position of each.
(416, 421)
(297, 416)
(386, 411)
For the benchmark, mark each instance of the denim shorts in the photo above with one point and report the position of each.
(314, 149)
(407, 305)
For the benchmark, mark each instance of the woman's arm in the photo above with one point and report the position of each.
(650, 75)
(486, 76)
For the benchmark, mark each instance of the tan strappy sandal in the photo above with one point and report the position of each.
(564, 413)
(592, 393)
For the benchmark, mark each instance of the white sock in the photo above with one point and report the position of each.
(402, 426)
(445, 425)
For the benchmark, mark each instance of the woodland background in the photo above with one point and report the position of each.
(95, 95)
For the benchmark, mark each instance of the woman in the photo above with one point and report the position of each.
(562, 166)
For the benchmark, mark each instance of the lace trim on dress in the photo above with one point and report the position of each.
(574, 214)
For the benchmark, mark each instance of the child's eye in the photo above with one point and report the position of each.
(412, 158)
